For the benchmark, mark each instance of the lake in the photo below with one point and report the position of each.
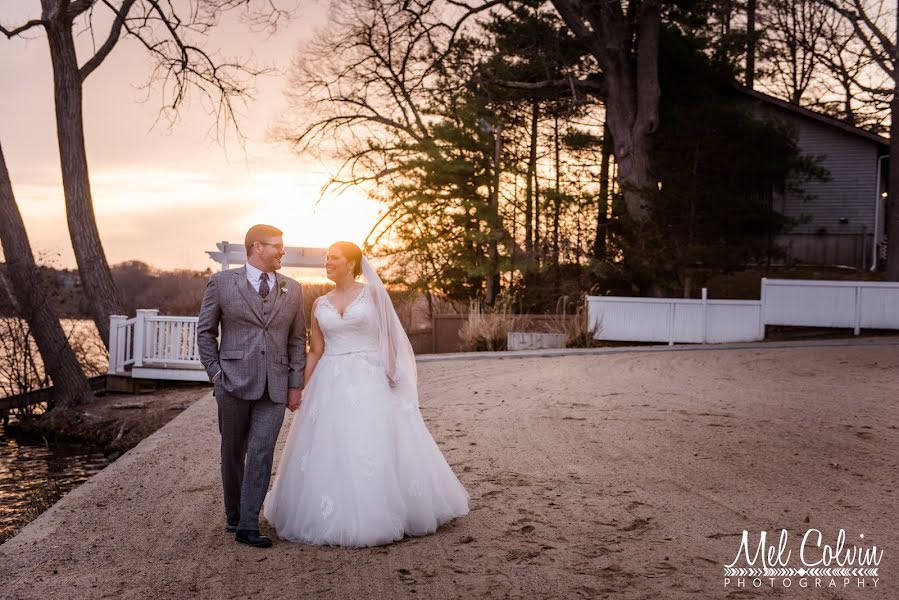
(34, 475)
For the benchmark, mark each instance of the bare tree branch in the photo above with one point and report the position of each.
(114, 33)
(15, 31)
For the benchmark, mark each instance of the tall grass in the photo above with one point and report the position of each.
(488, 331)
(571, 320)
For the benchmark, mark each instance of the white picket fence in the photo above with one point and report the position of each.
(813, 303)
(675, 320)
(810, 303)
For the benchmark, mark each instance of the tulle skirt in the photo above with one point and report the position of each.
(359, 467)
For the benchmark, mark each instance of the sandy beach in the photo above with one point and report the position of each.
(621, 475)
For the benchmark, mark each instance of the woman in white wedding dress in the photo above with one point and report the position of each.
(359, 467)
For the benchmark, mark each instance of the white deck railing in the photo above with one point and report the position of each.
(149, 343)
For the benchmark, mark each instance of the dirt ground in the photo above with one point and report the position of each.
(115, 422)
(603, 476)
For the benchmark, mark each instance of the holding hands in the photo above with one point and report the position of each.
(294, 398)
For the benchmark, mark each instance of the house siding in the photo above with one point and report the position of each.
(848, 193)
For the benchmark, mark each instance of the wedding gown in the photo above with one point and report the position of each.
(359, 467)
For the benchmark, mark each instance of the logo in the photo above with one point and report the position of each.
(818, 565)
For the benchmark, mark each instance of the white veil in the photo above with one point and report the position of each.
(394, 346)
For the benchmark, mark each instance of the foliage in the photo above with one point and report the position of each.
(721, 170)
(487, 146)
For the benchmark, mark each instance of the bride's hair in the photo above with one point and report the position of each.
(352, 253)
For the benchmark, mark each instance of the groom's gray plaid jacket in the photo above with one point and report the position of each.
(262, 341)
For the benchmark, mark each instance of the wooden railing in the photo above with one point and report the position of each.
(150, 342)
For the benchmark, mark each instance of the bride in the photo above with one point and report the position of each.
(359, 467)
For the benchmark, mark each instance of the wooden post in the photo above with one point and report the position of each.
(116, 352)
(858, 309)
(762, 310)
(433, 333)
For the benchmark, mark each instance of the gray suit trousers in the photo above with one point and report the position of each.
(249, 430)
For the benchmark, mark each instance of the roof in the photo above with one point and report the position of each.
(816, 116)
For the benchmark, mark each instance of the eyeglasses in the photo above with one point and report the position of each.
(276, 246)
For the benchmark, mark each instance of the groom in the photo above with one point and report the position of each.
(256, 366)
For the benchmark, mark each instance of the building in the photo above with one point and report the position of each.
(843, 218)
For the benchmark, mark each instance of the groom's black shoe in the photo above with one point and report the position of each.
(230, 528)
(252, 538)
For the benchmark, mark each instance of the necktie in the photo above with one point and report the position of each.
(263, 285)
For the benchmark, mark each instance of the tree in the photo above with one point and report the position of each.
(721, 168)
(168, 32)
(70, 386)
(624, 40)
(853, 89)
(377, 91)
(793, 32)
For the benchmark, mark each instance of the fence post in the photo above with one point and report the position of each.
(762, 309)
(671, 307)
(115, 348)
(140, 333)
(858, 309)
(705, 315)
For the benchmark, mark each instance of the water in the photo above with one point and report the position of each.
(33, 475)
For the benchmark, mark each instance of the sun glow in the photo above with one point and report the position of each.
(291, 202)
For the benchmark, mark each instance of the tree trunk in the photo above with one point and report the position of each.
(602, 216)
(70, 386)
(628, 54)
(100, 290)
(529, 189)
(557, 205)
(493, 276)
(893, 196)
(750, 43)
(538, 253)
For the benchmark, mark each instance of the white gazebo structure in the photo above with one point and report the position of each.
(153, 346)
(294, 256)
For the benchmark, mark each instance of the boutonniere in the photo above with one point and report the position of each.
(282, 285)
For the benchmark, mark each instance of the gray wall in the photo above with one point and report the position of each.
(851, 161)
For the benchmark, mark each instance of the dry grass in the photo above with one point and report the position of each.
(572, 321)
(488, 331)
(36, 501)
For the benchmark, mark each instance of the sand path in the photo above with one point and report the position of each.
(615, 475)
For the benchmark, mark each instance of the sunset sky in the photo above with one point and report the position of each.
(162, 194)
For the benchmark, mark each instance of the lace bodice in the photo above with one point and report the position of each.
(355, 331)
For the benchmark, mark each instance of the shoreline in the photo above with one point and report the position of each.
(112, 423)
(45, 451)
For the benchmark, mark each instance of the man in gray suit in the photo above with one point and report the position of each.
(256, 367)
